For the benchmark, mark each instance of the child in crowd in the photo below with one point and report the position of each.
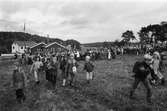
(19, 81)
(53, 71)
(141, 71)
(35, 69)
(63, 68)
(89, 67)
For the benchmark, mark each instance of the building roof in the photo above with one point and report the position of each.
(38, 44)
(25, 43)
(56, 44)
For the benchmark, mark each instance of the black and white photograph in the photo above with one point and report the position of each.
(83, 55)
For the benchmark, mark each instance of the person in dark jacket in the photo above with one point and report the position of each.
(142, 70)
(54, 71)
(63, 68)
(47, 68)
(19, 82)
(89, 69)
(51, 70)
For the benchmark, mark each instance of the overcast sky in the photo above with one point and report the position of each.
(85, 21)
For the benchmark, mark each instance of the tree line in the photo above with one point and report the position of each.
(149, 34)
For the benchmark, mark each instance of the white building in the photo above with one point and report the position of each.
(21, 46)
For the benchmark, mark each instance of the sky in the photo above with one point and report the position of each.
(83, 20)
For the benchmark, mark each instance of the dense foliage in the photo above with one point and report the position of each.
(153, 33)
(127, 36)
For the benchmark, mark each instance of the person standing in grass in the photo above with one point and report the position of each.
(19, 82)
(54, 71)
(63, 68)
(109, 54)
(89, 67)
(35, 68)
(142, 70)
(156, 67)
(71, 68)
(47, 66)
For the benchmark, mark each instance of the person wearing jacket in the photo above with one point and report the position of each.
(141, 71)
(19, 82)
(54, 71)
(63, 68)
(89, 67)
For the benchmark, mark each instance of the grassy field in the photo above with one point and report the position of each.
(107, 92)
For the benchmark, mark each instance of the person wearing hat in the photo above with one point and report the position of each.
(89, 67)
(141, 71)
(71, 68)
(19, 82)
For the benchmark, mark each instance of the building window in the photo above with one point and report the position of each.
(13, 47)
(21, 47)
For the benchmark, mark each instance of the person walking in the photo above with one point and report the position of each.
(19, 82)
(141, 71)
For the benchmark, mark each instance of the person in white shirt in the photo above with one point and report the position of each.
(156, 66)
(109, 55)
(35, 69)
(77, 55)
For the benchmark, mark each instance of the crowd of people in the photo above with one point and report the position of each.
(68, 64)
(50, 65)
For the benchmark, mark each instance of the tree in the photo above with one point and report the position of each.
(143, 34)
(127, 36)
(158, 33)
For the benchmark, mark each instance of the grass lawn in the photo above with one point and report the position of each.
(107, 92)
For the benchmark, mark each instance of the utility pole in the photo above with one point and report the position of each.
(47, 38)
(24, 29)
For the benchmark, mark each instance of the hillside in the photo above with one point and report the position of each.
(7, 38)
